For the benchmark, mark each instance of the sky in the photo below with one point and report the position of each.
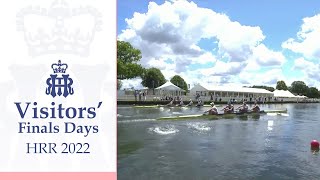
(225, 42)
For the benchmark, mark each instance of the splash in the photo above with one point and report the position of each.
(203, 127)
(164, 130)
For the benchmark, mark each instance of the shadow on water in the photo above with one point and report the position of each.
(128, 148)
(246, 117)
(255, 117)
(243, 117)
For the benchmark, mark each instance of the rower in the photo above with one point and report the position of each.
(213, 110)
(228, 109)
(255, 107)
(243, 108)
(199, 102)
(190, 103)
(181, 102)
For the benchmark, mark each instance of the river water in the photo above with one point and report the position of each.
(266, 147)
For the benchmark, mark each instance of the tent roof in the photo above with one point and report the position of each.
(283, 93)
(301, 96)
(168, 86)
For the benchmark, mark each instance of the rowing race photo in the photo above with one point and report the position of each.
(218, 90)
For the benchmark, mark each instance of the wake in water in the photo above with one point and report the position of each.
(277, 114)
(202, 127)
(136, 120)
(120, 115)
(164, 130)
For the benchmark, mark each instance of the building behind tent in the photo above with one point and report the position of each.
(230, 93)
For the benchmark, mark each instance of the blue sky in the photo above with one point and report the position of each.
(259, 56)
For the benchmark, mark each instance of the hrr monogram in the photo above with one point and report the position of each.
(59, 85)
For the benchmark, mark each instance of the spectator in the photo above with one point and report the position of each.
(135, 95)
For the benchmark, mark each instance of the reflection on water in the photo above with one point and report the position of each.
(270, 124)
(242, 147)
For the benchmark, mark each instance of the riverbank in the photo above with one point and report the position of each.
(140, 103)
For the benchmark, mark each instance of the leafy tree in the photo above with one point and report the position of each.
(313, 92)
(126, 53)
(119, 84)
(299, 87)
(153, 78)
(264, 87)
(180, 82)
(127, 61)
(281, 85)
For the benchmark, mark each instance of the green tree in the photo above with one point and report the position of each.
(127, 61)
(180, 82)
(153, 78)
(299, 87)
(281, 85)
(126, 53)
(313, 92)
(119, 84)
(264, 87)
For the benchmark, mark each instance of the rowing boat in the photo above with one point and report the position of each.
(231, 115)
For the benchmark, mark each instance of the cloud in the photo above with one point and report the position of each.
(310, 70)
(176, 28)
(158, 63)
(307, 40)
(237, 41)
(132, 83)
(222, 68)
(173, 30)
(269, 77)
(302, 64)
(266, 57)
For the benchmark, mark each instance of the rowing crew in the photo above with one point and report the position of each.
(230, 108)
(199, 103)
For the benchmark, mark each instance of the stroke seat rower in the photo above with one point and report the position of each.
(213, 110)
(255, 107)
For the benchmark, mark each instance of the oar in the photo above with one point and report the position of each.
(204, 113)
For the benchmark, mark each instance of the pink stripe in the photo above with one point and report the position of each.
(59, 176)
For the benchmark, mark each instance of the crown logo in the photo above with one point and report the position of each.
(59, 68)
(59, 84)
(59, 29)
